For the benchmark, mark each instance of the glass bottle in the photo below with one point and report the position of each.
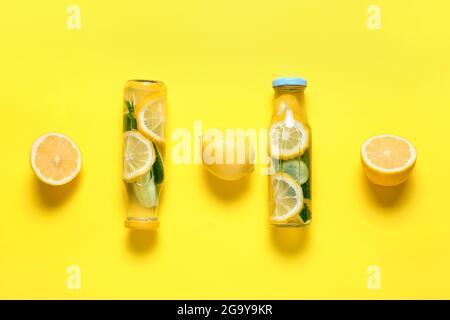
(144, 117)
(290, 153)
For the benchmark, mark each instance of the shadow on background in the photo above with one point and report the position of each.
(226, 190)
(290, 241)
(388, 197)
(142, 241)
(54, 196)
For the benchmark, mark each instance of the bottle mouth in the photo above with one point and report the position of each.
(143, 80)
(143, 84)
(294, 82)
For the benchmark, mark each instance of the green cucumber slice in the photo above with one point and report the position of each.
(144, 190)
(297, 169)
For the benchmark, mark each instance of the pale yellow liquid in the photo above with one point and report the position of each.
(137, 91)
(290, 99)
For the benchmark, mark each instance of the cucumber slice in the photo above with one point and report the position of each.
(305, 157)
(276, 164)
(297, 169)
(144, 190)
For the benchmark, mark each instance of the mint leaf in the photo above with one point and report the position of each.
(158, 167)
(306, 188)
(130, 106)
(129, 121)
(305, 214)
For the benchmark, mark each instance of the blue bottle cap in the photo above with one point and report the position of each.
(288, 82)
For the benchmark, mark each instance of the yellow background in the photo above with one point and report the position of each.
(218, 59)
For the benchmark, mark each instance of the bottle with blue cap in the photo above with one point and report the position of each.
(290, 154)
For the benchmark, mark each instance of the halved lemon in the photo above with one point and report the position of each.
(388, 159)
(55, 159)
(138, 155)
(151, 118)
(288, 138)
(287, 198)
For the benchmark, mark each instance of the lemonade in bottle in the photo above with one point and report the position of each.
(144, 115)
(290, 153)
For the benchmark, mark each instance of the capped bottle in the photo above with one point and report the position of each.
(290, 154)
(144, 118)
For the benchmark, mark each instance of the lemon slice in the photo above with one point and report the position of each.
(55, 159)
(286, 102)
(388, 159)
(151, 118)
(138, 155)
(287, 198)
(288, 139)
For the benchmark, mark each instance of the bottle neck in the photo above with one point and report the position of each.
(292, 97)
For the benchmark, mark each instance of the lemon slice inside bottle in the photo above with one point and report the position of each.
(138, 155)
(287, 198)
(288, 139)
(151, 118)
